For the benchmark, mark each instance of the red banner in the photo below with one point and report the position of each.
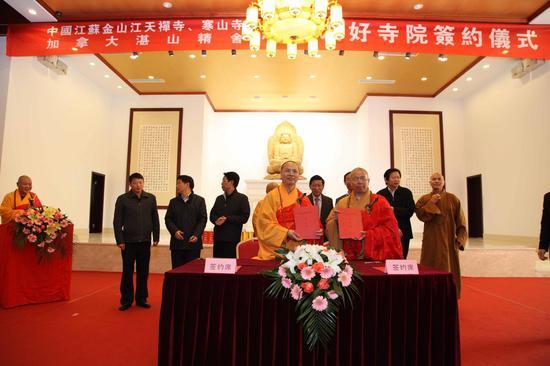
(479, 39)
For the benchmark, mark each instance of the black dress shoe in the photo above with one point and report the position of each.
(124, 307)
(145, 305)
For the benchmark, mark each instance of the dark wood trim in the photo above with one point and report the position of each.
(117, 73)
(180, 137)
(441, 141)
(539, 11)
(400, 95)
(358, 16)
(457, 76)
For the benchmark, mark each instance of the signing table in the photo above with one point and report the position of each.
(26, 280)
(214, 319)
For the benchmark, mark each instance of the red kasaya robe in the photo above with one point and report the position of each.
(381, 240)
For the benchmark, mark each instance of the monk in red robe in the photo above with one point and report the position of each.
(379, 239)
(275, 224)
(19, 200)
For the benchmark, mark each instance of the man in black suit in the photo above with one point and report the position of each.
(544, 242)
(318, 199)
(185, 220)
(136, 219)
(348, 183)
(229, 213)
(402, 202)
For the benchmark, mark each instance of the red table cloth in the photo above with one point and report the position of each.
(213, 319)
(26, 280)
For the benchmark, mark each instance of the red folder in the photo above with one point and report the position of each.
(350, 223)
(307, 222)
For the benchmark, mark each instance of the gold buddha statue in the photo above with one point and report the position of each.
(284, 145)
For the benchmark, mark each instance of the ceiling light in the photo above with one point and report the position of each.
(150, 77)
(92, 63)
(32, 11)
(442, 57)
(256, 76)
(505, 52)
(119, 86)
(203, 53)
(167, 4)
(318, 55)
(203, 76)
(418, 6)
(407, 56)
(134, 55)
(170, 53)
(455, 89)
(423, 78)
(74, 49)
(486, 66)
(469, 78)
(192, 56)
(253, 55)
(369, 78)
(106, 76)
(293, 22)
(376, 81)
(312, 76)
(233, 52)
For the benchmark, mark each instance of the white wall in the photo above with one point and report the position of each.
(56, 128)
(507, 133)
(4, 81)
(453, 131)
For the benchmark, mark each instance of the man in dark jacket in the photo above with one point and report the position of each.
(402, 202)
(185, 220)
(136, 217)
(230, 212)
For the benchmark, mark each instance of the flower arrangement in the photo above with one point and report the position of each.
(43, 227)
(320, 279)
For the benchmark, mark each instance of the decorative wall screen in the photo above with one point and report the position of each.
(154, 149)
(416, 140)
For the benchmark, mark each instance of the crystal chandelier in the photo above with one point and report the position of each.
(293, 22)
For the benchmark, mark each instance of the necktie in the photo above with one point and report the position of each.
(318, 204)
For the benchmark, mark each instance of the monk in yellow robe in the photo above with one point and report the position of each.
(268, 188)
(19, 200)
(444, 229)
(275, 225)
(379, 239)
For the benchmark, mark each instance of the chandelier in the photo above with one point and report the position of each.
(293, 22)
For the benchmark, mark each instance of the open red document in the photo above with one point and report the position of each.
(307, 222)
(350, 223)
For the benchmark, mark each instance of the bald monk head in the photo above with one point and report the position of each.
(24, 185)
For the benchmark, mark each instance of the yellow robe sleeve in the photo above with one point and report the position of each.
(332, 224)
(6, 209)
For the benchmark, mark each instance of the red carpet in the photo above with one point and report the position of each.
(504, 321)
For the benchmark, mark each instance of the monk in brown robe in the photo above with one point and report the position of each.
(275, 225)
(380, 236)
(18, 201)
(444, 228)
